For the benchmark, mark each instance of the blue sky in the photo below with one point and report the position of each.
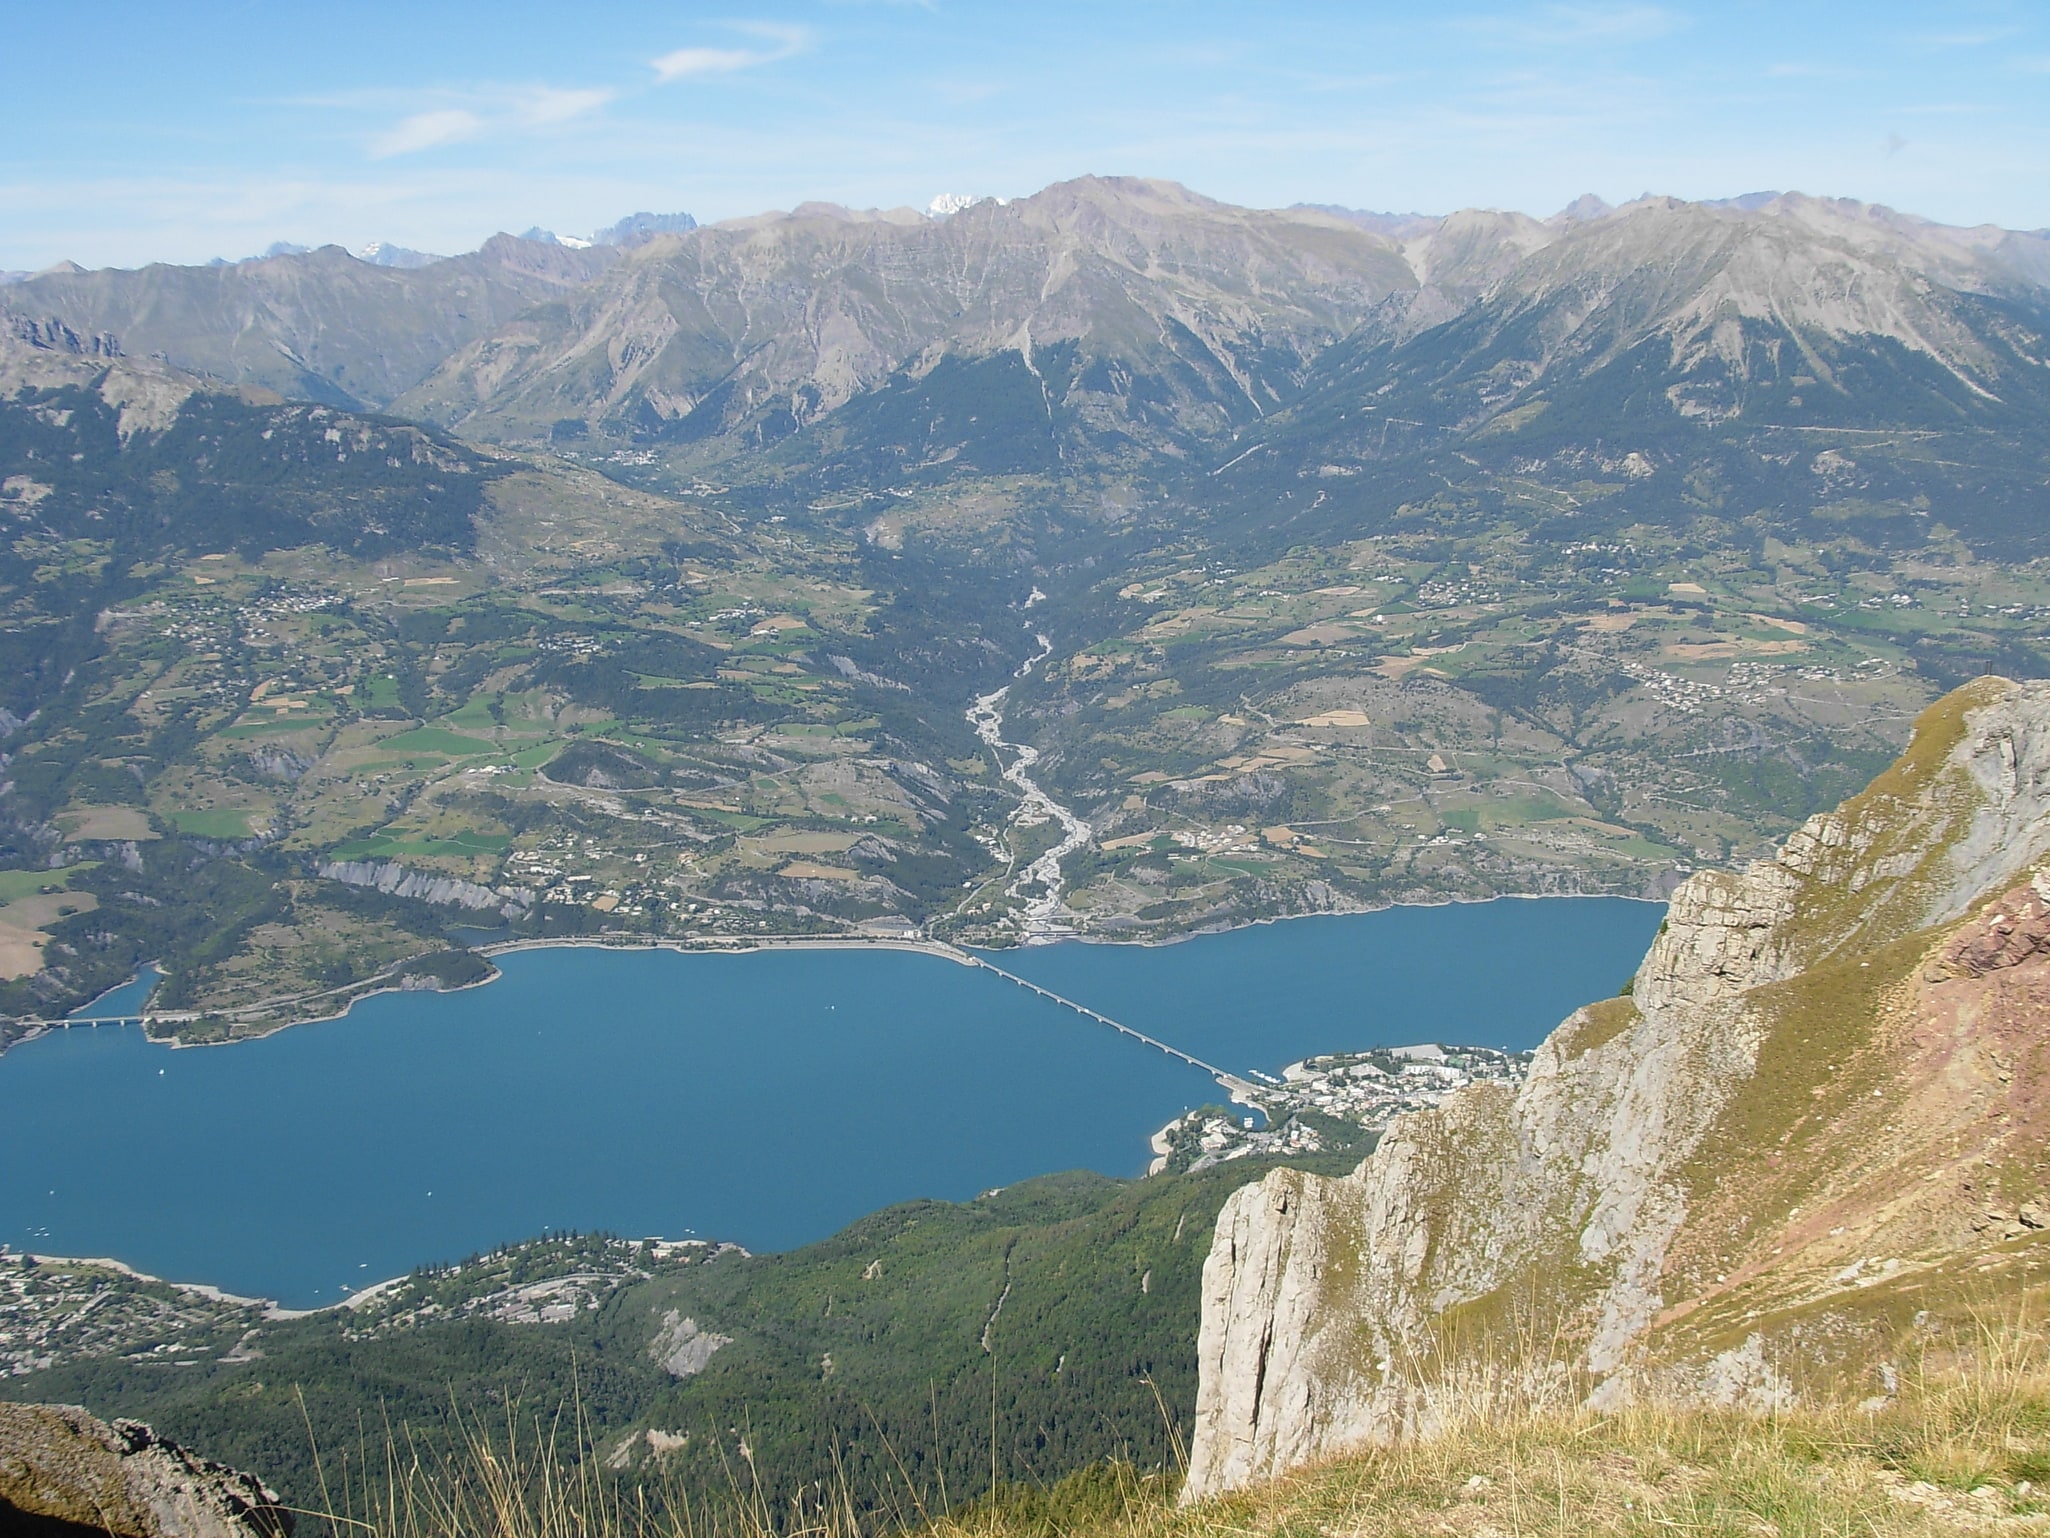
(132, 131)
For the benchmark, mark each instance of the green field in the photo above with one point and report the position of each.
(437, 739)
(16, 884)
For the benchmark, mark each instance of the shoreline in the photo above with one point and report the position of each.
(269, 1308)
(736, 945)
(741, 945)
(1082, 938)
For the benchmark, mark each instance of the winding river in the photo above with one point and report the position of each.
(1037, 888)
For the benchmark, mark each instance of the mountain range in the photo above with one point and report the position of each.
(1377, 557)
(1137, 317)
(1115, 562)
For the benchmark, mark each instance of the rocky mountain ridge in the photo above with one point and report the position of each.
(1105, 322)
(323, 325)
(1047, 307)
(1810, 1132)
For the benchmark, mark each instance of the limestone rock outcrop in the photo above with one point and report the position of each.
(1828, 1069)
(65, 1471)
(427, 886)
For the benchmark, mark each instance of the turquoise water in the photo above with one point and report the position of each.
(766, 1098)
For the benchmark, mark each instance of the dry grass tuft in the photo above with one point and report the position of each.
(1963, 1447)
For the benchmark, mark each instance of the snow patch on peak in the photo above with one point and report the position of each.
(383, 253)
(948, 204)
(550, 238)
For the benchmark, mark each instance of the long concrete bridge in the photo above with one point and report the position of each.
(1239, 1089)
(65, 1022)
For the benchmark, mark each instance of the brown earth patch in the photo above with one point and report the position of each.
(125, 823)
(1320, 635)
(23, 926)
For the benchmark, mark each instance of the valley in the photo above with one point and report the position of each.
(860, 770)
(1319, 569)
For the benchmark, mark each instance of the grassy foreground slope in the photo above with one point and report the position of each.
(1964, 1447)
(907, 1362)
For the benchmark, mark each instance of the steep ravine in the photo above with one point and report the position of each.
(1813, 1130)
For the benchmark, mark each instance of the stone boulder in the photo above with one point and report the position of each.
(64, 1472)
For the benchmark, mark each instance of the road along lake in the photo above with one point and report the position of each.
(766, 1098)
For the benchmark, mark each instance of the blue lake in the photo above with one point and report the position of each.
(766, 1098)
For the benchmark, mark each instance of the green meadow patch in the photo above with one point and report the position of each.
(437, 739)
(17, 884)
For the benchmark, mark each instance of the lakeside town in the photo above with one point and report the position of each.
(1335, 1103)
(59, 1312)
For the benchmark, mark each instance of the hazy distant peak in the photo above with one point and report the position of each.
(382, 253)
(542, 237)
(1156, 191)
(1394, 226)
(1584, 209)
(841, 214)
(638, 229)
(1653, 202)
(281, 248)
(1749, 202)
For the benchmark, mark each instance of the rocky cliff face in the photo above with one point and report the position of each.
(64, 1471)
(427, 886)
(1807, 1137)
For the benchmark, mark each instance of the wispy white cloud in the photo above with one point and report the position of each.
(546, 105)
(427, 131)
(481, 112)
(438, 119)
(1979, 39)
(1575, 26)
(684, 63)
(966, 93)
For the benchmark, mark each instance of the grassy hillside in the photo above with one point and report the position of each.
(1963, 1447)
(911, 1361)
